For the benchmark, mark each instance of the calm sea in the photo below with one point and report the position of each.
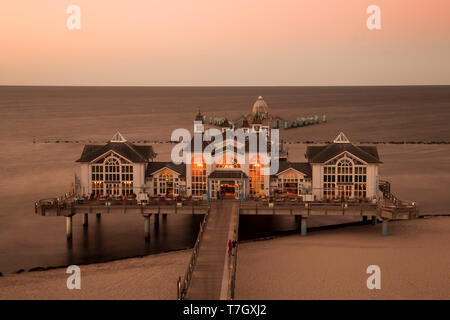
(30, 171)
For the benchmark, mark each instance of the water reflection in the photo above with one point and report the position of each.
(112, 237)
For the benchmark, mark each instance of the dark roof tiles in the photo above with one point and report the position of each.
(302, 167)
(227, 174)
(152, 167)
(125, 149)
(321, 154)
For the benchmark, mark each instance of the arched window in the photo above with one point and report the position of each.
(166, 183)
(345, 171)
(112, 170)
(344, 178)
(112, 175)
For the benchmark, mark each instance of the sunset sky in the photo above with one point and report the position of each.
(234, 42)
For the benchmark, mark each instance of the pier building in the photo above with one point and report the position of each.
(336, 179)
(340, 170)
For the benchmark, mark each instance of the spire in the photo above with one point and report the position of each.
(199, 116)
(118, 138)
(341, 138)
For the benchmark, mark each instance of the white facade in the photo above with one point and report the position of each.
(291, 182)
(336, 171)
(345, 171)
(353, 188)
(164, 182)
(116, 169)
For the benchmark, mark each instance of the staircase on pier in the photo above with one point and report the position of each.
(393, 204)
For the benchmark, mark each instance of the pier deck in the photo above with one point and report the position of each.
(49, 207)
(385, 210)
(328, 209)
(212, 277)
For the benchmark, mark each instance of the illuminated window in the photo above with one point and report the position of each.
(289, 183)
(329, 181)
(166, 183)
(345, 177)
(97, 187)
(112, 176)
(198, 176)
(227, 162)
(256, 176)
(360, 182)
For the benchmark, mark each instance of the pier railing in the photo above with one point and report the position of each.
(233, 274)
(391, 203)
(71, 205)
(383, 209)
(183, 285)
(307, 208)
(233, 263)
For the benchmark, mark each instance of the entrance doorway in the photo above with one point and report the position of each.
(291, 188)
(227, 189)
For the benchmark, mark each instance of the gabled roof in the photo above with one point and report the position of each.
(303, 167)
(227, 174)
(321, 154)
(125, 149)
(153, 167)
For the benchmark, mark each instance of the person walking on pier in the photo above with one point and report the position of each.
(230, 246)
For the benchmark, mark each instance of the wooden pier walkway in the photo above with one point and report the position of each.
(213, 274)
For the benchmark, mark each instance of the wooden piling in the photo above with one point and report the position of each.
(85, 219)
(69, 227)
(304, 227)
(374, 220)
(384, 229)
(147, 227)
